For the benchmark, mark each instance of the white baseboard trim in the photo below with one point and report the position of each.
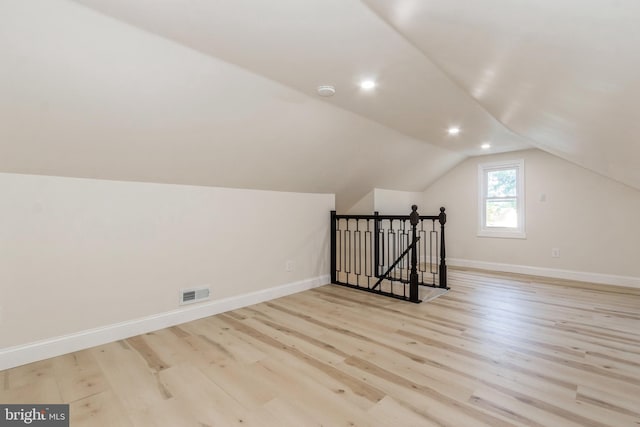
(581, 276)
(22, 354)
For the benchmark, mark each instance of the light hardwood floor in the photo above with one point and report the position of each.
(497, 350)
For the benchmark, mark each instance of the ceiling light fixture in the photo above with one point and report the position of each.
(367, 84)
(326, 90)
(454, 130)
(485, 146)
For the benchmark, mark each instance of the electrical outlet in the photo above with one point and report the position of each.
(1, 314)
(555, 252)
(289, 266)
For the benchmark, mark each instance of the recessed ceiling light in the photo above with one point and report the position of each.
(326, 90)
(485, 146)
(367, 84)
(454, 130)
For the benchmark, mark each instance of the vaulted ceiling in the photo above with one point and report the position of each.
(223, 92)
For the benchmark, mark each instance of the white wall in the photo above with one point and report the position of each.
(392, 202)
(77, 254)
(364, 206)
(388, 202)
(593, 220)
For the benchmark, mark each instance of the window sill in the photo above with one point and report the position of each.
(503, 234)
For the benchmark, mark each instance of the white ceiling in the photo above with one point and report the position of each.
(563, 74)
(306, 43)
(223, 92)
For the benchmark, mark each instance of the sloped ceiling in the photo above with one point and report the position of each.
(222, 92)
(563, 74)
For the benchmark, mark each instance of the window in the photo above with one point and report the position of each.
(501, 199)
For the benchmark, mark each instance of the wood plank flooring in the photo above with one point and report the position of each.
(497, 350)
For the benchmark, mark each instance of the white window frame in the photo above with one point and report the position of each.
(501, 232)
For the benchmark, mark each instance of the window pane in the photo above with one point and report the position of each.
(501, 213)
(501, 183)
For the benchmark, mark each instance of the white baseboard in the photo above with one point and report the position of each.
(581, 276)
(40, 350)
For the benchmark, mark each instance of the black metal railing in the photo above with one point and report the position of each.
(392, 255)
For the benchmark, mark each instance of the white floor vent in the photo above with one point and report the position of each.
(189, 296)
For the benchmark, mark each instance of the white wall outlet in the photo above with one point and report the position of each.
(289, 266)
(555, 252)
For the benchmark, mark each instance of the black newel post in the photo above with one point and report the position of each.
(443, 264)
(414, 218)
(333, 247)
(376, 244)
